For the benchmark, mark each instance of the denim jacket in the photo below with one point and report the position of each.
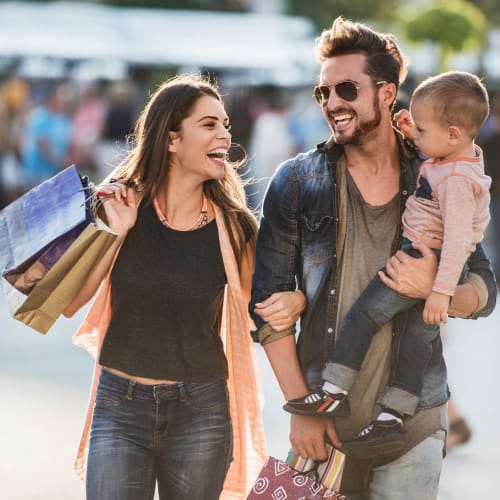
(297, 248)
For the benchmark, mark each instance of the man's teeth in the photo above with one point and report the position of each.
(342, 119)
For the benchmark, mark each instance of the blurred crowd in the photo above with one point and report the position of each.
(48, 125)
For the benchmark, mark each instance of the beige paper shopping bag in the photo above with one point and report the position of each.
(54, 292)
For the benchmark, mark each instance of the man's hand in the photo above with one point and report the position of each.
(410, 276)
(307, 436)
(282, 309)
(436, 308)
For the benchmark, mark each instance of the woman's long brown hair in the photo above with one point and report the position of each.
(148, 161)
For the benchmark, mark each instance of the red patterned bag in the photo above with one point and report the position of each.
(278, 481)
(326, 472)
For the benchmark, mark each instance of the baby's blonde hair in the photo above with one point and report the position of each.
(459, 98)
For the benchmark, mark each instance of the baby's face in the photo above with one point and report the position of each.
(430, 136)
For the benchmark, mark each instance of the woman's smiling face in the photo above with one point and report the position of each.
(200, 147)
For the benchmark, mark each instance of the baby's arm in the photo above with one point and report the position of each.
(404, 123)
(436, 308)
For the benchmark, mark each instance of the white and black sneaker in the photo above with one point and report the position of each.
(320, 403)
(380, 437)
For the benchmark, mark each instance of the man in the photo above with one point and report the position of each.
(331, 219)
(47, 136)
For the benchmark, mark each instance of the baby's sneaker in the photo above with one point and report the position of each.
(320, 403)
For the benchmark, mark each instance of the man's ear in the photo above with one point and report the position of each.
(389, 94)
(173, 141)
(455, 134)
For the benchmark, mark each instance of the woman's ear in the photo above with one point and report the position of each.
(173, 141)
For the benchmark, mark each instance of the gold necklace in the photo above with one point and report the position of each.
(199, 222)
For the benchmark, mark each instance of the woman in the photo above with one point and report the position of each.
(169, 328)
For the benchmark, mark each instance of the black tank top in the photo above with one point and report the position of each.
(167, 290)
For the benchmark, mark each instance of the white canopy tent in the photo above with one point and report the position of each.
(267, 48)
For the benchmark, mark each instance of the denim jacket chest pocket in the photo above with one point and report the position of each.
(318, 236)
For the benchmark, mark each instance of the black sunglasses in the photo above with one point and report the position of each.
(346, 90)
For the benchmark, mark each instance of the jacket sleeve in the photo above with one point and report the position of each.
(277, 247)
(480, 265)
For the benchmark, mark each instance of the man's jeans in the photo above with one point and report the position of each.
(178, 435)
(414, 476)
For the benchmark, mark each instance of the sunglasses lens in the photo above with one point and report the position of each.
(347, 91)
(321, 94)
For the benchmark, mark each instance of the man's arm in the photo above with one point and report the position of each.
(414, 277)
(307, 434)
(275, 271)
(277, 243)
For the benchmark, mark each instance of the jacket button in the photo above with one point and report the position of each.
(330, 330)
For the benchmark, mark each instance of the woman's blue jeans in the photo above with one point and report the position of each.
(177, 435)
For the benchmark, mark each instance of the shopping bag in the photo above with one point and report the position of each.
(41, 308)
(50, 241)
(277, 480)
(37, 228)
(327, 472)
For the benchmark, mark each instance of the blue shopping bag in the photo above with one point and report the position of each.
(38, 228)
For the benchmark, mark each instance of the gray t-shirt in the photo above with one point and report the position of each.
(369, 235)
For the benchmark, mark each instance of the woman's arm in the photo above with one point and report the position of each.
(121, 213)
(247, 266)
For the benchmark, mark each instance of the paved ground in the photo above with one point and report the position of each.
(44, 382)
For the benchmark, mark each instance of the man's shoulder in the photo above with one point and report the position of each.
(312, 162)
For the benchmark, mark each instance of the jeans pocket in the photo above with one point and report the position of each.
(210, 396)
(107, 394)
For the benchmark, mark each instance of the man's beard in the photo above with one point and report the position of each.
(364, 128)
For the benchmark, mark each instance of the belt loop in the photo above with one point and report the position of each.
(130, 390)
(183, 396)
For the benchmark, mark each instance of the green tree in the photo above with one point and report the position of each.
(323, 12)
(453, 25)
(491, 9)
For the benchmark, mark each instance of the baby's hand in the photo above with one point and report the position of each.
(404, 123)
(436, 308)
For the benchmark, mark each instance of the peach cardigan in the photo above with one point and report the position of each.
(245, 396)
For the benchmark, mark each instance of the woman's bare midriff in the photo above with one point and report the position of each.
(140, 380)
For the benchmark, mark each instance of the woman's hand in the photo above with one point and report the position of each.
(119, 205)
(410, 276)
(282, 309)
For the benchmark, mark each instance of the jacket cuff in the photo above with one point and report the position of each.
(481, 291)
(268, 334)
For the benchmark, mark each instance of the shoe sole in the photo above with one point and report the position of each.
(363, 451)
